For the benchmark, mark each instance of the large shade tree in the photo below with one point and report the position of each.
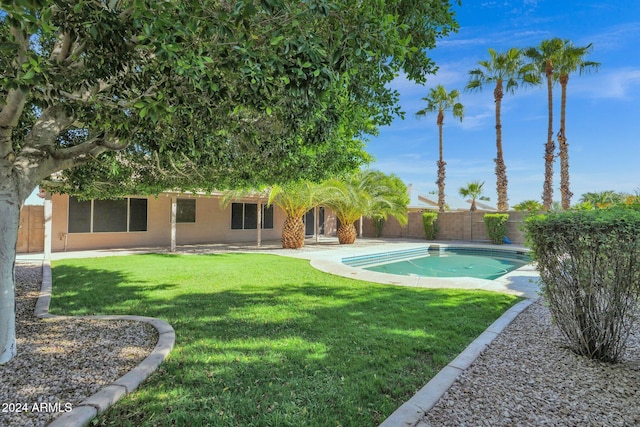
(544, 57)
(206, 93)
(439, 101)
(571, 59)
(505, 71)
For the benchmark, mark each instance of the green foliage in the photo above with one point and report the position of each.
(496, 227)
(588, 263)
(472, 190)
(367, 193)
(602, 199)
(205, 94)
(529, 206)
(430, 225)
(267, 340)
(378, 223)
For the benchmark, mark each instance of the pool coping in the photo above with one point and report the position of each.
(518, 282)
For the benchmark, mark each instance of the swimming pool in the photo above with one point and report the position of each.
(447, 261)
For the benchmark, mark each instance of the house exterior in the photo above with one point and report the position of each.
(166, 220)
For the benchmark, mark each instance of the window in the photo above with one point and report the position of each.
(109, 216)
(267, 217)
(244, 216)
(186, 210)
(79, 216)
(100, 216)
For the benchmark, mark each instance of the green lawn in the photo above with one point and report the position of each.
(264, 340)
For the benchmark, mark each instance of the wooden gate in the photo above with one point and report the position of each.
(31, 231)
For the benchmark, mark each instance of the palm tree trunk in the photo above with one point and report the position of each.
(346, 234)
(501, 169)
(441, 165)
(293, 233)
(563, 151)
(549, 150)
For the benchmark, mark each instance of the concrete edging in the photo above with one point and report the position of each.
(410, 413)
(97, 403)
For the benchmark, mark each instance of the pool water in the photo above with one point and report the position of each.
(448, 262)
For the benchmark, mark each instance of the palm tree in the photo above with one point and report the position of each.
(602, 199)
(473, 190)
(506, 71)
(544, 57)
(295, 199)
(365, 193)
(440, 101)
(571, 59)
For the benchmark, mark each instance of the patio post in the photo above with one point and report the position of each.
(174, 209)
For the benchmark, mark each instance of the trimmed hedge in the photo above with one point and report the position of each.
(589, 264)
(429, 222)
(496, 227)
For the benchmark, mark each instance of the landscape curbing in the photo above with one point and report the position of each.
(411, 412)
(93, 405)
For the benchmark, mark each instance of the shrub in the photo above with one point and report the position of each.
(378, 222)
(496, 227)
(589, 263)
(430, 225)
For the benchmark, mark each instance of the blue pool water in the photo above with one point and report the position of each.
(434, 261)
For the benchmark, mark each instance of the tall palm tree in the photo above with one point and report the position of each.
(440, 101)
(365, 193)
(572, 59)
(506, 71)
(473, 190)
(544, 57)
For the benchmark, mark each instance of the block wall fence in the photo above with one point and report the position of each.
(464, 225)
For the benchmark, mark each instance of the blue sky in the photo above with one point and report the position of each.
(603, 108)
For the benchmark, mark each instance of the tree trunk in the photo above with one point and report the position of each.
(293, 233)
(550, 148)
(441, 164)
(9, 222)
(347, 234)
(563, 151)
(501, 169)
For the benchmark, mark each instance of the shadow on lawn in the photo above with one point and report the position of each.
(311, 353)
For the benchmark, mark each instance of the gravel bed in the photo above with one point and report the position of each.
(528, 378)
(61, 362)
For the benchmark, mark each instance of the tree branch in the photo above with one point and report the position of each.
(14, 104)
(49, 125)
(92, 146)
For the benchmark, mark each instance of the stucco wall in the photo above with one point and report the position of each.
(213, 225)
(464, 225)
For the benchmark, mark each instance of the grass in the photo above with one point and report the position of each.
(269, 341)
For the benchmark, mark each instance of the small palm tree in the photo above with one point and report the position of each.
(544, 57)
(295, 199)
(440, 101)
(472, 190)
(367, 193)
(571, 59)
(602, 199)
(506, 71)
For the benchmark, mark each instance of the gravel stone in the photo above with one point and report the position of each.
(528, 377)
(62, 361)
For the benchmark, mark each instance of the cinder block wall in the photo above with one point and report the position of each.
(464, 225)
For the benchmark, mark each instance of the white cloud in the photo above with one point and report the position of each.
(616, 84)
